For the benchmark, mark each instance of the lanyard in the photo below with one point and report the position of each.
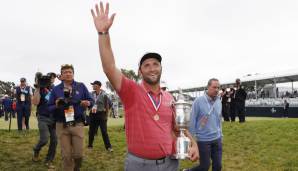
(203, 121)
(156, 105)
(212, 107)
(96, 97)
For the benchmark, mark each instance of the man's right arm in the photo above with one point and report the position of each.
(102, 24)
(108, 62)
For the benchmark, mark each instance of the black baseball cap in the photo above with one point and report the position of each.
(96, 82)
(23, 79)
(150, 55)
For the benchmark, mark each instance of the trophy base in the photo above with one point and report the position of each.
(181, 156)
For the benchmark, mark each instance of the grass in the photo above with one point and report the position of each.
(261, 144)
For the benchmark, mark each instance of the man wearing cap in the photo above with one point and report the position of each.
(149, 111)
(99, 116)
(240, 96)
(46, 123)
(69, 100)
(23, 95)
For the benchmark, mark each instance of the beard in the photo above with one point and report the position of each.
(150, 81)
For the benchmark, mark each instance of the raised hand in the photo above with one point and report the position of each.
(101, 18)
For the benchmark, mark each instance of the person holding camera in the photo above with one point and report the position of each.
(23, 94)
(46, 123)
(99, 116)
(70, 100)
(240, 96)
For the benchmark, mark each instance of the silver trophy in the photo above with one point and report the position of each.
(183, 110)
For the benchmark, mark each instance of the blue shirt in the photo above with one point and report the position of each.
(79, 93)
(27, 92)
(7, 104)
(200, 108)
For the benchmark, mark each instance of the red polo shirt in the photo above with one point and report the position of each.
(147, 135)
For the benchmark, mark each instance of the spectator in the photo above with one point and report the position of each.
(99, 116)
(7, 106)
(240, 97)
(23, 95)
(286, 109)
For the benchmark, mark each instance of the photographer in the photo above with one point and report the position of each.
(46, 123)
(70, 99)
(240, 96)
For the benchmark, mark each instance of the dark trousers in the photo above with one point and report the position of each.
(7, 112)
(240, 111)
(232, 111)
(47, 128)
(13, 112)
(97, 120)
(286, 112)
(23, 111)
(226, 111)
(207, 150)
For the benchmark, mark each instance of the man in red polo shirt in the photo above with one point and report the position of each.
(149, 111)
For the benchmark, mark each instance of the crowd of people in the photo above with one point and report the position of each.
(7, 107)
(61, 115)
(233, 102)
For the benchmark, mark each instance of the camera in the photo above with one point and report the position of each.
(65, 102)
(42, 81)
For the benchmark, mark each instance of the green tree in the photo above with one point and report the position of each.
(129, 74)
(109, 86)
(7, 87)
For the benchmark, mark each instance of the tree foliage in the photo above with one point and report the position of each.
(6, 87)
(129, 74)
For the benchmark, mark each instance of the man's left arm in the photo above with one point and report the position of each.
(106, 103)
(87, 101)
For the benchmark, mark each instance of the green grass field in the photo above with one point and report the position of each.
(261, 144)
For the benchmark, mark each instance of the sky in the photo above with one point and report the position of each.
(198, 39)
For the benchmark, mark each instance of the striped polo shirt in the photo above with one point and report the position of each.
(148, 131)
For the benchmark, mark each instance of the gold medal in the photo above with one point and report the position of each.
(156, 117)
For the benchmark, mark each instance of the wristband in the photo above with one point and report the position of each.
(103, 33)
